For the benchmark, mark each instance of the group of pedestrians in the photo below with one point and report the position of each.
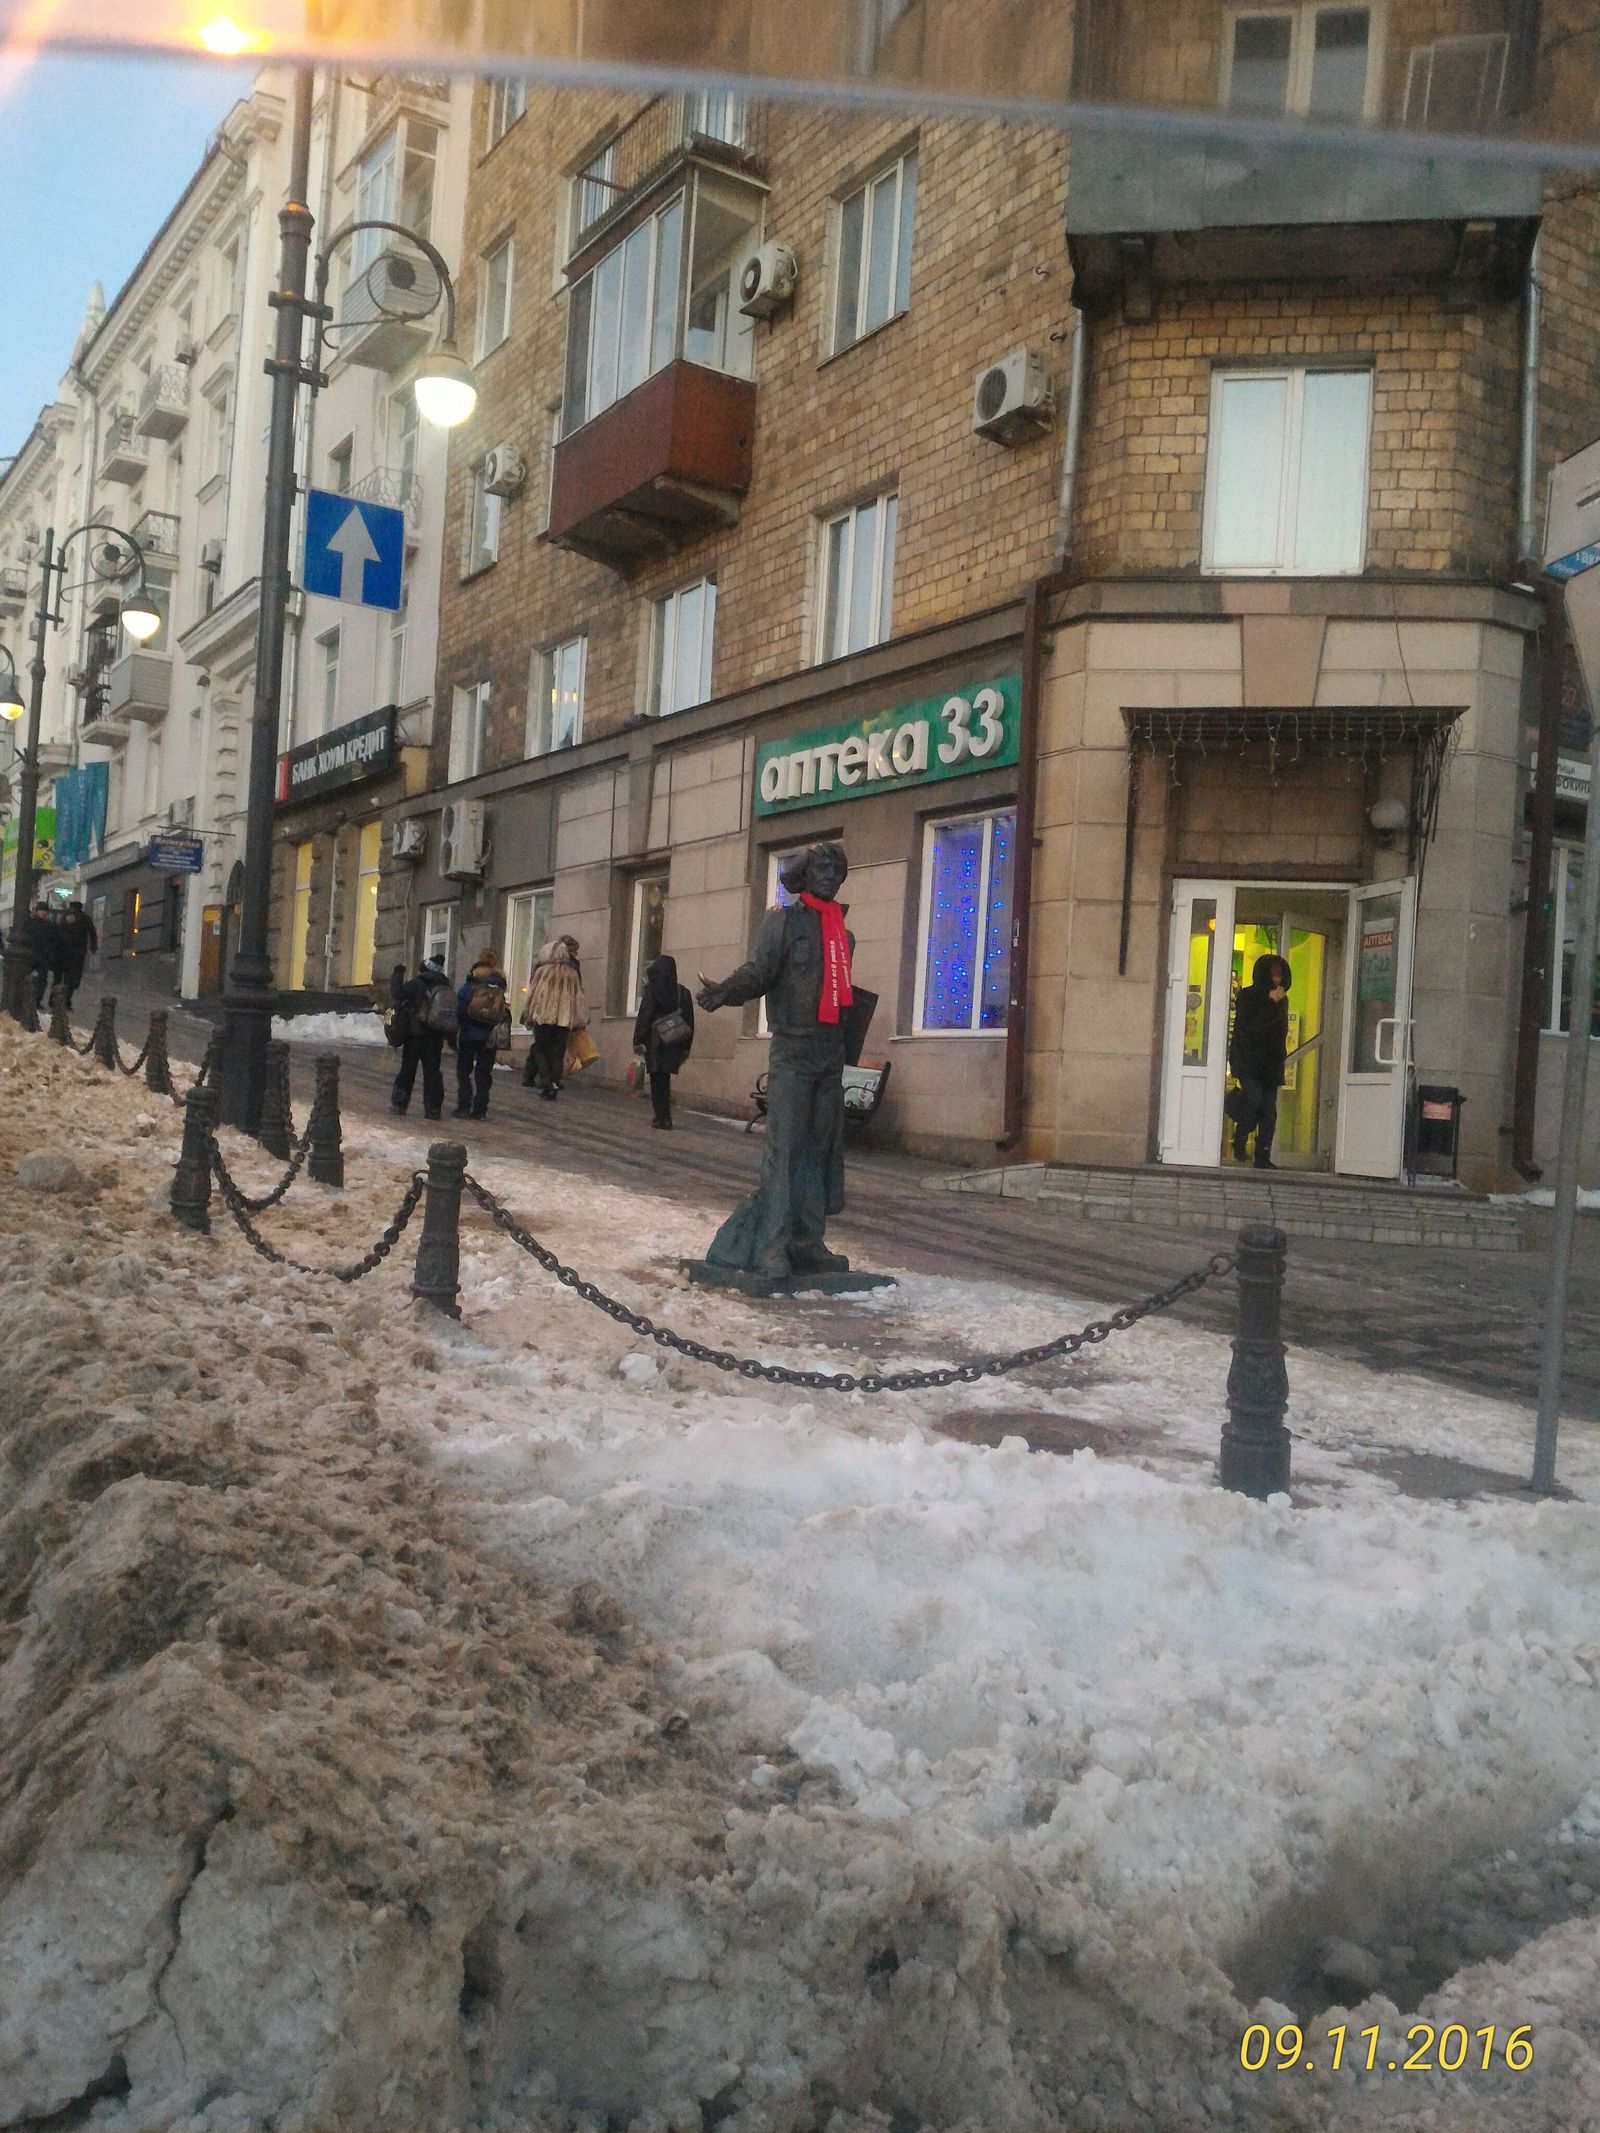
(59, 945)
(428, 1012)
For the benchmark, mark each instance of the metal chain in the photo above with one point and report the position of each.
(991, 1366)
(302, 1149)
(239, 1208)
(130, 1071)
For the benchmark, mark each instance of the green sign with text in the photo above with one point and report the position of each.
(917, 744)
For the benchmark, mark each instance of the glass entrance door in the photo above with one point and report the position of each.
(1377, 1030)
(1309, 936)
(1196, 1043)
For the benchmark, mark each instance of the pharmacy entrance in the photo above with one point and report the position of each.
(1343, 1103)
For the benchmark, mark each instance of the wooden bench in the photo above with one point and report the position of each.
(863, 1092)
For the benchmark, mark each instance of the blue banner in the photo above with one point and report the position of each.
(80, 799)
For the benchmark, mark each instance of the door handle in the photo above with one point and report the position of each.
(1383, 1059)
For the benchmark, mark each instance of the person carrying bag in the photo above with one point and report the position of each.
(663, 1033)
(555, 1010)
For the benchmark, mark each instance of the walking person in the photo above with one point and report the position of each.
(663, 1033)
(428, 1002)
(553, 1009)
(44, 945)
(482, 1007)
(1257, 1052)
(79, 941)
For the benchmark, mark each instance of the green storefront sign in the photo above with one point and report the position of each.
(918, 744)
(44, 847)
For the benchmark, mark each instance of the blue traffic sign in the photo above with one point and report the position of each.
(354, 551)
(1567, 567)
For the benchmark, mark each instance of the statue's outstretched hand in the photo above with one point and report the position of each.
(709, 996)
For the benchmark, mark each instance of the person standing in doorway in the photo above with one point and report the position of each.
(1257, 1052)
(554, 1008)
(663, 1033)
(480, 1010)
(428, 1003)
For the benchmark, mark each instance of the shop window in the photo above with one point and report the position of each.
(1286, 471)
(681, 630)
(328, 686)
(528, 917)
(494, 298)
(1313, 62)
(647, 932)
(508, 99)
(873, 250)
(964, 959)
(857, 577)
(438, 932)
(555, 697)
(299, 916)
(1565, 887)
(469, 731)
(364, 930)
(481, 545)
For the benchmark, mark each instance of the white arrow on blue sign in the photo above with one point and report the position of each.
(354, 551)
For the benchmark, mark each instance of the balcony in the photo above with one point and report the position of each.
(157, 535)
(13, 589)
(708, 125)
(669, 461)
(164, 403)
(139, 687)
(1205, 212)
(123, 457)
(101, 729)
(394, 486)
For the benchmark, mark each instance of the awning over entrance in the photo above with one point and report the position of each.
(1366, 734)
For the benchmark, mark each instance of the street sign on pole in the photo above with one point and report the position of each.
(354, 551)
(175, 851)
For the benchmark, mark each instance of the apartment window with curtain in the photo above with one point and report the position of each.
(555, 697)
(857, 574)
(469, 730)
(681, 630)
(508, 99)
(299, 916)
(1303, 62)
(494, 298)
(364, 931)
(964, 947)
(873, 250)
(1286, 471)
(482, 542)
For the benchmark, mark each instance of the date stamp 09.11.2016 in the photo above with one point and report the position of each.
(1454, 2049)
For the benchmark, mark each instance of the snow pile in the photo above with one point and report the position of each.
(1545, 1196)
(330, 1029)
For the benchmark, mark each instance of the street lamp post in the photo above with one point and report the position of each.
(247, 999)
(141, 620)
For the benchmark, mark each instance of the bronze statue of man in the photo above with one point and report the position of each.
(801, 965)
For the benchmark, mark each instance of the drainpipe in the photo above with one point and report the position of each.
(1534, 992)
(1034, 614)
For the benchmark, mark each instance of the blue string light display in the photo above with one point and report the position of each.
(957, 928)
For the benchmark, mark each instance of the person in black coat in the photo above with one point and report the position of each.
(1256, 1053)
(43, 937)
(422, 1046)
(663, 996)
(79, 941)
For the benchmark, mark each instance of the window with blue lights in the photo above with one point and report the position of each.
(964, 966)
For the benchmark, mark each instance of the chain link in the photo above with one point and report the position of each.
(296, 1164)
(130, 1071)
(239, 1208)
(973, 1373)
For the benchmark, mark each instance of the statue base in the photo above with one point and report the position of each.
(703, 1275)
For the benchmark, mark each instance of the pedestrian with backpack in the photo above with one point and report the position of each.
(553, 1009)
(483, 1027)
(426, 1008)
(663, 1033)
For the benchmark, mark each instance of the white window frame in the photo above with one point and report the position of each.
(493, 331)
(665, 621)
(1285, 565)
(603, 360)
(480, 547)
(885, 536)
(395, 649)
(219, 431)
(641, 884)
(438, 933)
(1566, 871)
(508, 100)
(600, 171)
(330, 645)
(518, 980)
(553, 665)
(988, 816)
(904, 242)
(469, 730)
(1302, 20)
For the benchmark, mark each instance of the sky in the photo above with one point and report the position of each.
(93, 154)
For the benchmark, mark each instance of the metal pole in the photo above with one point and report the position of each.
(19, 960)
(1572, 1104)
(436, 1279)
(1255, 1444)
(247, 1002)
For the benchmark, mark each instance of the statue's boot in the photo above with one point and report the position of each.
(817, 1259)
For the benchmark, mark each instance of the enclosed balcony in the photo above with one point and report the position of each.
(123, 457)
(13, 589)
(139, 686)
(164, 403)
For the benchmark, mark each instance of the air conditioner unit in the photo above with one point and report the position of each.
(408, 839)
(186, 353)
(1013, 400)
(79, 677)
(504, 471)
(461, 830)
(210, 555)
(766, 280)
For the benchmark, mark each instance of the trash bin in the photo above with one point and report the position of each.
(1436, 1130)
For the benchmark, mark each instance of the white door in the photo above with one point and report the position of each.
(1377, 1030)
(1194, 1055)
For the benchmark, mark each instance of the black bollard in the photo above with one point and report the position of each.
(191, 1181)
(60, 1025)
(103, 1044)
(28, 1007)
(326, 1160)
(157, 1066)
(274, 1131)
(1255, 1443)
(437, 1276)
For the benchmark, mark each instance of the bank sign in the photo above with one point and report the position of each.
(346, 756)
(918, 744)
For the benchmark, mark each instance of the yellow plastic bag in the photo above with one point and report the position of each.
(582, 1051)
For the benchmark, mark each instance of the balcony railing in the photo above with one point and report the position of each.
(13, 588)
(123, 457)
(164, 402)
(102, 728)
(717, 125)
(668, 461)
(392, 486)
(157, 535)
(139, 686)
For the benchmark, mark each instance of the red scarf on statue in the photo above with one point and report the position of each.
(836, 993)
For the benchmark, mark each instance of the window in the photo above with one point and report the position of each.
(395, 184)
(483, 526)
(1566, 883)
(219, 407)
(339, 467)
(649, 930)
(594, 189)
(857, 577)
(622, 324)
(494, 298)
(1286, 471)
(364, 931)
(555, 697)
(727, 229)
(527, 930)
(300, 916)
(469, 731)
(438, 931)
(874, 252)
(402, 442)
(1457, 84)
(328, 648)
(681, 628)
(397, 646)
(716, 115)
(152, 772)
(508, 99)
(226, 288)
(964, 965)
(1308, 61)
(778, 899)
(158, 590)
